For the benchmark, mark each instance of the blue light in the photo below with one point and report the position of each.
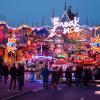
(11, 44)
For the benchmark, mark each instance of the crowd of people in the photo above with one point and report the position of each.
(14, 74)
(85, 76)
(53, 78)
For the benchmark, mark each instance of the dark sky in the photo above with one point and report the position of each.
(32, 11)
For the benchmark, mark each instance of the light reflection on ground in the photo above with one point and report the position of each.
(97, 92)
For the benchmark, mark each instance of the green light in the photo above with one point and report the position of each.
(62, 56)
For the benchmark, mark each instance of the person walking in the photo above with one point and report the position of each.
(13, 74)
(86, 77)
(60, 73)
(5, 73)
(60, 77)
(68, 76)
(20, 74)
(45, 76)
(55, 78)
(78, 75)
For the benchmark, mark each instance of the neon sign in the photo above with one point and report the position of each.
(42, 57)
(67, 26)
(73, 23)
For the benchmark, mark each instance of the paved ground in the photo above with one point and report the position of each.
(29, 86)
(37, 93)
(66, 93)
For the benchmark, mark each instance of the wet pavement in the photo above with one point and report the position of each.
(29, 86)
(34, 91)
(64, 93)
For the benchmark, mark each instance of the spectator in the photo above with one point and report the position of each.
(5, 73)
(45, 76)
(68, 76)
(96, 73)
(78, 75)
(60, 75)
(20, 74)
(55, 78)
(90, 76)
(86, 77)
(13, 74)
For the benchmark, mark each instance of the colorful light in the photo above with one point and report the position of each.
(66, 26)
(11, 45)
(29, 42)
(95, 44)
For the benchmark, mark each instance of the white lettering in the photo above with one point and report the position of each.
(66, 26)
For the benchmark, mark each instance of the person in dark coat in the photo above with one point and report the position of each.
(55, 78)
(45, 76)
(60, 75)
(13, 74)
(20, 75)
(5, 73)
(60, 72)
(78, 75)
(68, 76)
(86, 77)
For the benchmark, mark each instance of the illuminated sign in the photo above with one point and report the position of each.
(11, 45)
(42, 57)
(65, 25)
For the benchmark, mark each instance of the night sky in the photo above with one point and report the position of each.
(33, 11)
